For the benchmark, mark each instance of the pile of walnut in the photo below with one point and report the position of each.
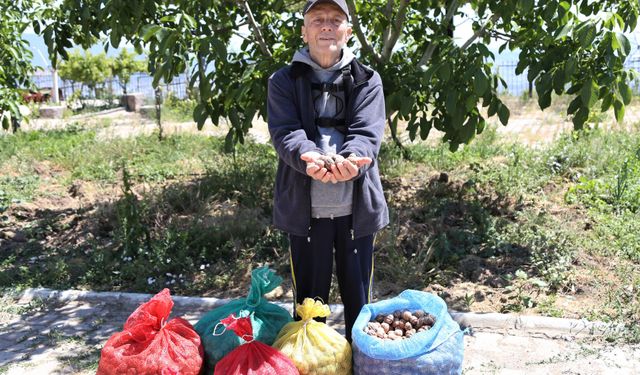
(399, 325)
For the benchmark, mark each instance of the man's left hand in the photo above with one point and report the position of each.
(347, 169)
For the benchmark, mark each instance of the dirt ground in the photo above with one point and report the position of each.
(527, 125)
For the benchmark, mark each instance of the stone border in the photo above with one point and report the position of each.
(535, 325)
(94, 114)
(503, 323)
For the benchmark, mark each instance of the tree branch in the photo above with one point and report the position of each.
(432, 46)
(256, 29)
(479, 32)
(395, 30)
(502, 36)
(388, 10)
(361, 37)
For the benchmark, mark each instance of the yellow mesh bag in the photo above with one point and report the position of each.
(314, 347)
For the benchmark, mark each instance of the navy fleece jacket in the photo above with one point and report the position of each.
(293, 131)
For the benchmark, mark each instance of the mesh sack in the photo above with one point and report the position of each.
(436, 351)
(267, 319)
(148, 344)
(254, 357)
(314, 347)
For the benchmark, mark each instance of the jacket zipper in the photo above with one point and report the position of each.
(310, 209)
(352, 95)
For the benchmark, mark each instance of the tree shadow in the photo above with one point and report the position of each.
(196, 235)
(445, 233)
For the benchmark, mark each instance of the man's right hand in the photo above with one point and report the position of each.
(316, 169)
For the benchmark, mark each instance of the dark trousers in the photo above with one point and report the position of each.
(312, 265)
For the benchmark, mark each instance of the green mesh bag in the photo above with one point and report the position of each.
(266, 318)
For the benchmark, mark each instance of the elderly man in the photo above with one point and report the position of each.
(326, 118)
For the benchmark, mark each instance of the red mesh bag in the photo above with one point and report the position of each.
(148, 344)
(254, 357)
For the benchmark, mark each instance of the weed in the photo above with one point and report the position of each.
(525, 291)
(17, 189)
(134, 232)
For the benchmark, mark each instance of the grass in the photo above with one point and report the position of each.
(193, 218)
(79, 155)
(173, 109)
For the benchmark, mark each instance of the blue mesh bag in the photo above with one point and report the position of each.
(267, 319)
(436, 351)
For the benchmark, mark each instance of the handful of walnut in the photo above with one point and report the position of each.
(331, 159)
(399, 325)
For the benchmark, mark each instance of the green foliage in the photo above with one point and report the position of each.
(15, 59)
(136, 238)
(87, 69)
(429, 81)
(16, 189)
(524, 291)
(125, 65)
(552, 250)
(617, 188)
(180, 110)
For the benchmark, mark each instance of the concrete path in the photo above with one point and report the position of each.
(51, 332)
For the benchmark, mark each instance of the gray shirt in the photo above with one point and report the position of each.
(329, 200)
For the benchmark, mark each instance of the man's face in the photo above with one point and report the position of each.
(326, 29)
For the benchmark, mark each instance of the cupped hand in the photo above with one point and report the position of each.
(316, 168)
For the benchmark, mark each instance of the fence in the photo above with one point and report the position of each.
(139, 83)
(142, 83)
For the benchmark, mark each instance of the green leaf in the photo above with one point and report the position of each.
(623, 41)
(521, 66)
(544, 99)
(200, 115)
(189, 20)
(36, 26)
(444, 73)
(481, 125)
(625, 92)
(503, 114)
(6, 120)
(549, 11)
(485, 51)
(606, 102)
(115, 38)
(451, 102)
(544, 83)
(586, 35)
(425, 128)
(580, 118)
(558, 81)
(150, 31)
(618, 108)
(406, 105)
(457, 119)
(480, 83)
(561, 33)
(525, 5)
(589, 93)
(221, 48)
(574, 89)
(533, 71)
(228, 140)
(493, 107)
(574, 105)
(470, 102)
(428, 74)
(570, 67)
